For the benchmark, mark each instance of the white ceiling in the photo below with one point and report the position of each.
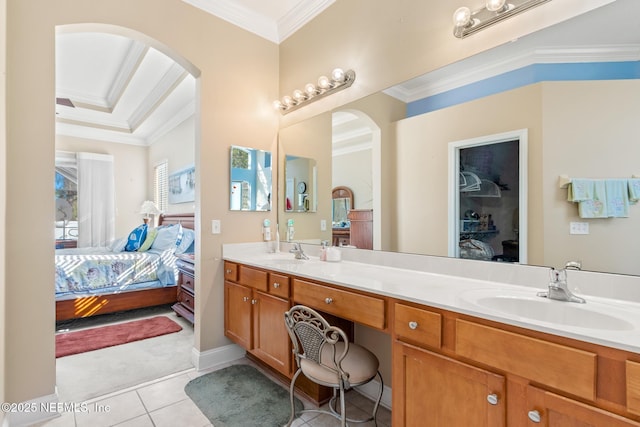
(123, 91)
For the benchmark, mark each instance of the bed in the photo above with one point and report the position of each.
(93, 281)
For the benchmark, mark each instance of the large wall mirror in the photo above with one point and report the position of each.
(580, 126)
(250, 181)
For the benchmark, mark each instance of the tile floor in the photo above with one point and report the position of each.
(163, 402)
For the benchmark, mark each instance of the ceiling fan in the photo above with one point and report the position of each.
(65, 101)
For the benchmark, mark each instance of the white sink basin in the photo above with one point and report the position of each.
(528, 305)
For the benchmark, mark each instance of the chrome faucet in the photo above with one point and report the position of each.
(558, 287)
(297, 249)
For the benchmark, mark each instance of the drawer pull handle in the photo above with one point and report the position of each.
(328, 300)
(276, 285)
(228, 271)
(245, 299)
(254, 301)
(534, 416)
(413, 325)
(492, 399)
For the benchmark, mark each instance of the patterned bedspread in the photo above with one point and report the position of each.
(98, 270)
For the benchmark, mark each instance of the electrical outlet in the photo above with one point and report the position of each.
(215, 226)
(578, 228)
(323, 225)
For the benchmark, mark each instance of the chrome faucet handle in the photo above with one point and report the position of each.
(573, 265)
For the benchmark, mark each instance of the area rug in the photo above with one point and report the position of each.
(69, 343)
(241, 396)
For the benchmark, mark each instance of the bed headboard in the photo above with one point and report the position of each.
(187, 220)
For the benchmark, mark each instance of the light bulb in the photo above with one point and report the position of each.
(287, 101)
(278, 105)
(337, 75)
(323, 82)
(462, 16)
(298, 95)
(495, 5)
(310, 89)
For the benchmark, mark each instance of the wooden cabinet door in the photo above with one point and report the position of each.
(271, 342)
(237, 314)
(434, 390)
(552, 410)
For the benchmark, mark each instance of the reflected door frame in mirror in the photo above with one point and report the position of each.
(454, 168)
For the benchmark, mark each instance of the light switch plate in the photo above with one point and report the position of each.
(215, 226)
(578, 227)
(323, 225)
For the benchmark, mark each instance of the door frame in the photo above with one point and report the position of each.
(521, 135)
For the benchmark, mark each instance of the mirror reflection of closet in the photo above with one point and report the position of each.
(251, 178)
(489, 197)
(342, 204)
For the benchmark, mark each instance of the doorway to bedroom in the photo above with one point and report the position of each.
(127, 104)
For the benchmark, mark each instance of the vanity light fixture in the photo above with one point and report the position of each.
(466, 22)
(338, 80)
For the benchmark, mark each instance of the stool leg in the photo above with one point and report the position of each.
(291, 396)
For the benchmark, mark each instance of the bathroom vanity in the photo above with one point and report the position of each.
(464, 351)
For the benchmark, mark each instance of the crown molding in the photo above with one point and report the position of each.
(297, 17)
(265, 27)
(239, 16)
(449, 78)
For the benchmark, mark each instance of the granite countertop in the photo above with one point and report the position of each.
(604, 321)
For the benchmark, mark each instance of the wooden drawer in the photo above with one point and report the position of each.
(230, 271)
(633, 386)
(187, 299)
(348, 305)
(253, 278)
(554, 365)
(186, 281)
(417, 326)
(279, 285)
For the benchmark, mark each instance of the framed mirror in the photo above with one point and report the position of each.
(580, 127)
(300, 190)
(250, 180)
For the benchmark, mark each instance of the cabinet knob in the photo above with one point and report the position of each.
(328, 300)
(492, 398)
(228, 271)
(534, 416)
(254, 301)
(245, 299)
(413, 325)
(276, 285)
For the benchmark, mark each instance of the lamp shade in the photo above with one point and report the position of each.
(149, 208)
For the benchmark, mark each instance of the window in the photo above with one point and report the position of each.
(66, 195)
(161, 185)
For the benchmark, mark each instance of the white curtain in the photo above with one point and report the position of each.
(96, 200)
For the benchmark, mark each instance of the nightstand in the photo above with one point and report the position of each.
(185, 306)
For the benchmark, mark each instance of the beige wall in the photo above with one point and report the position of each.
(130, 170)
(590, 131)
(422, 163)
(3, 198)
(177, 147)
(237, 83)
(584, 129)
(388, 42)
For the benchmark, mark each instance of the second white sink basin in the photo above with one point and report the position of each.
(528, 305)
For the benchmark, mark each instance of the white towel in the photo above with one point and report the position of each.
(617, 198)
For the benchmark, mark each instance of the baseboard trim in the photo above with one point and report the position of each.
(371, 390)
(33, 411)
(217, 356)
